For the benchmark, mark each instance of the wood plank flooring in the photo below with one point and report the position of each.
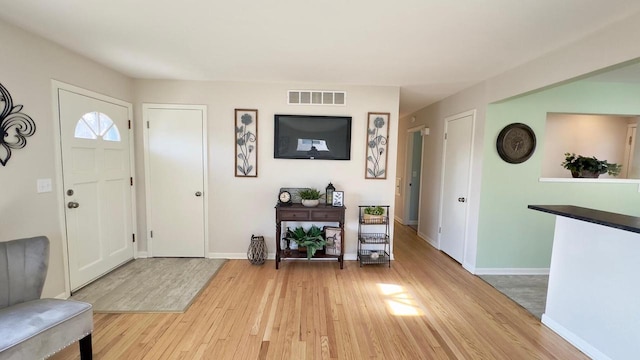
(426, 306)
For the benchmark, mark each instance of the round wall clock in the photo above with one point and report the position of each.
(516, 143)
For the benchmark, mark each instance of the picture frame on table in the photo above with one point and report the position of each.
(338, 198)
(333, 236)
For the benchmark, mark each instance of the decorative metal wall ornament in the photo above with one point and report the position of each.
(15, 126)
(377, 137)
(246, 139)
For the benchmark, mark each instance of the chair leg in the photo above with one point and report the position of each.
(86, 353)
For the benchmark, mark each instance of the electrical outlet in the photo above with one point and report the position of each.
(44, 185)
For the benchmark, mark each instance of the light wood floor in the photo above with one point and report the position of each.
(426, 306)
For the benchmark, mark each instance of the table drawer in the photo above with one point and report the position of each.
(294, 215)
(320, 215)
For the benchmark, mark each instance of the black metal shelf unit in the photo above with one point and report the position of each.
(373, 236)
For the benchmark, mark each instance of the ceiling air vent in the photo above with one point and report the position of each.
(316, 97)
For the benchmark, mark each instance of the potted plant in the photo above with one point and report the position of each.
(589, 167)
(310, 197)
(373, 214)
(311, 239)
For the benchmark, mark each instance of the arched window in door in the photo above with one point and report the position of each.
(96, 124)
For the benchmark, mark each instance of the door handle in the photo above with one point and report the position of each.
(461, 199)
(73, 205)
(198, 193)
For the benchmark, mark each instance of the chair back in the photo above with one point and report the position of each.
(23, 269)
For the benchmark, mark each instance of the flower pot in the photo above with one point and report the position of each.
(585, 174)
(310, 203)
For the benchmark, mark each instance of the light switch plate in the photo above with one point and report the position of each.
(44, 185)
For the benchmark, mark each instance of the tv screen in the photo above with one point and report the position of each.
(312, 137)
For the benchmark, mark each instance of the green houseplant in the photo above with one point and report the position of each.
(373, 214)
(311, 239)
(310, 197)
(589, 167)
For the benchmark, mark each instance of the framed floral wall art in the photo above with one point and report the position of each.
(377, 138)
(246, 139)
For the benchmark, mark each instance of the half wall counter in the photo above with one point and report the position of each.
(593, 300)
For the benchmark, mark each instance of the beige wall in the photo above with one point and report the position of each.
(27, 66)
(612, 45)
(433, 118)
(29, 63)
(602, 136)
(239, 207)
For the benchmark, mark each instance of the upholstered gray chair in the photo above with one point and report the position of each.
(30, 327)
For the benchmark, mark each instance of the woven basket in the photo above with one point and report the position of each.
(257, 252)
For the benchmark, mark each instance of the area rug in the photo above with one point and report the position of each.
(150, 285)
(529, 291)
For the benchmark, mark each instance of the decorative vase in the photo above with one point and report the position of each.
(310, 203)
(257, 252)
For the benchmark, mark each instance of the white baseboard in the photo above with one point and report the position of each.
(62, 296)
(142, 255)
(574, 339)
(511, 271)
(412, 222)
(398, 219)
(233, 256)
(429, 240)
(470, 268)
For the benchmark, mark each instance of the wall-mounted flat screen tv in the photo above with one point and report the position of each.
(312, 137)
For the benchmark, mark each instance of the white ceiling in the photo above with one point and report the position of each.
(429, 48)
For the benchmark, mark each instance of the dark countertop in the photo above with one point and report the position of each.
(618, 221)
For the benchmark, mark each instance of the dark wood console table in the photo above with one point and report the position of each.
(300, 213)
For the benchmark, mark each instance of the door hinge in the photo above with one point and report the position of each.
(129, 124)
(133, 237)
(445, 136)
(439, 230)
(630, 139)
(131, 181)
(147, 124)
(151, 233)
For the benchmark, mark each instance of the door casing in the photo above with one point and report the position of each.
(56, 86)
(408, 176)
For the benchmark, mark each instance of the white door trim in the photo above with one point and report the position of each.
(205, 163)
(408, 160)
(56, 86)
(471, 113)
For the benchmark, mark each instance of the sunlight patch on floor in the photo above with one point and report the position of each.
(399, 301)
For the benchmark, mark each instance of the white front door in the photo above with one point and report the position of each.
(176, 162)
(94, 138)
(455, 189)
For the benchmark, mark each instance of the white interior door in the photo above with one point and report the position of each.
(94, 137)
(176, 178)
(455, 189)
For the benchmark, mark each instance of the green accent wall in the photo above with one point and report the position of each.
(509, 234)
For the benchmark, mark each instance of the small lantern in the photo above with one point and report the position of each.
(328, 196)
